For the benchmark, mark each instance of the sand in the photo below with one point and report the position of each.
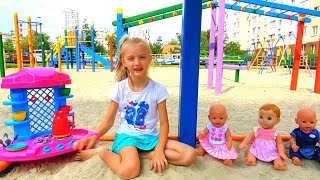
(90, 103)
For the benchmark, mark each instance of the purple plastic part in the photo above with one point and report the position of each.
(35, 78)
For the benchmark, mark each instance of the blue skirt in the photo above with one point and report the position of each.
(144, 143)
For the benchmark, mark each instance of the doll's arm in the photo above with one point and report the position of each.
(280, 148)
(247, 140)
(229, 139)
(293, 144)
(204, 133)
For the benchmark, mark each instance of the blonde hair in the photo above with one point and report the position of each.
(121, 71)
(272, 107)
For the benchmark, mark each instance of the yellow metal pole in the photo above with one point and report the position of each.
(30, 43)
(17, 40)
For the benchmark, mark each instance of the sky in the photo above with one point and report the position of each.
(100, 12)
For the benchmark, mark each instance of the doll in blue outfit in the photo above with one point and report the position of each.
(304, 139)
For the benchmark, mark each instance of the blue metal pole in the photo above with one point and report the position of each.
(51, 58)
(189, 72)
(282, 7)
(119, 26)
(92, 46)
(76, 34)
(80, 51)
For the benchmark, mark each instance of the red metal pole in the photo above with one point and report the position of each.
(297, 55)
(317, 81)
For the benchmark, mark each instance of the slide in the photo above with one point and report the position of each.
(96, 56)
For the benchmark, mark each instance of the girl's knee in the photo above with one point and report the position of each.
(129, 170)
(189, 156)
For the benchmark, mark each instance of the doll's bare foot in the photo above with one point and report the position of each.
(227, 162)
(87, 154)
(279, 164)
(296, 161)
(201, 151)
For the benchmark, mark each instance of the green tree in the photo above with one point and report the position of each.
(9, 48)
(99, 48)
(174, 42)
(156, 47)
(204, 43)
(233, 49)
(36, 41)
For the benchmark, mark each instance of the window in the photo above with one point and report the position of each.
(273, 24)
(314, 30)
(313, 48)
(258, 30)
(304, 47)
(305, 30)
(317, 8)
(253, 30)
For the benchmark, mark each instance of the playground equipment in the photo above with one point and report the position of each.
(73, 41)
(191, 47)
(18, 32)
(2, 65)
(40, 116)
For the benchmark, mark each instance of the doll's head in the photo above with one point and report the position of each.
(269, 115)
(306, 119)
(218, 115)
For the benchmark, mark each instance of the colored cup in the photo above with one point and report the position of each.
(19, 115)
(65, 91)
(16, 96)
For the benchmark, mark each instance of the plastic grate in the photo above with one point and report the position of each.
(41, 109)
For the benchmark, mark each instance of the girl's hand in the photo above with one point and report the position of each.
(159, 161)
(85, 143)
(242, 146)
(283, 156)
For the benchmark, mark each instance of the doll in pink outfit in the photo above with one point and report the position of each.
(216, 138)
(267, 144)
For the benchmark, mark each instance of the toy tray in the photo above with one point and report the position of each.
(44, 146)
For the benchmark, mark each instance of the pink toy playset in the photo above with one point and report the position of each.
(43, 122)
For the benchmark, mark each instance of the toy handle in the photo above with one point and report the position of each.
(72, 117)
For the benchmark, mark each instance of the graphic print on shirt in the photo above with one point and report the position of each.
(136, 113)
(216, 134)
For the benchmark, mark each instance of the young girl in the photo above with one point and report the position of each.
(141, 102)
(304, 139)
(216, 138)
(267, 144)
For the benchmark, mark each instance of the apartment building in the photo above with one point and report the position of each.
(248, 29)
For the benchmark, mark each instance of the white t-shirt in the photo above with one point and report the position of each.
(138, 110)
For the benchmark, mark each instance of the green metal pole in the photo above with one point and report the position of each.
(42, 50)
(2, 72)
(154, 13)
(236, 78)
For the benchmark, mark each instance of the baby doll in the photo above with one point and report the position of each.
(216, 138)
(267, 144)
(304, 139)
